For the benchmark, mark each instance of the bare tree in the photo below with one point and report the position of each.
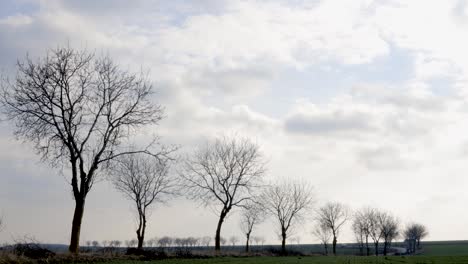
(222, 240)
(413, 233)
(78, 109)
(375, 232)
(361, 230)
(252, 215)
(165, 241)
(333, 215)
(206, 240)
(145, 181)
(233, 240)
(323, 234)
(288, 202)
(225, 172)
(95, 244)
(388, 228)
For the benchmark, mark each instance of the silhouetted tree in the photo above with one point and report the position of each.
(323, 234)
(225, 172)
(144, 180)
(361, 228)
(206, 240)
(389, 229)
(252, 214)
(375, 232)
(95, 244)
(78, 109)
(288, 202)
(333, 215)
(233, 240)
(414, 233)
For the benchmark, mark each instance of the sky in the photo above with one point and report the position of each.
(366, 100)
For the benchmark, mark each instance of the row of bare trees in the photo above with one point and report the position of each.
(81, 112)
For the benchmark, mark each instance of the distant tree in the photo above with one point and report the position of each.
(105, 243)
(233, 240)
(206, 240)
(133, 243)
(145, 180)
(389, 228)
(165, 241)
(88, 243)
(414, 233)
(95, 244)
(323, 234)
(262, 240)
(288, 202)
(117, 243)
(222, 241)
(253, 213)
(375, 232)
(361, 228)
(78, 109)
(226, 173)
(257, 240)
(333, 215)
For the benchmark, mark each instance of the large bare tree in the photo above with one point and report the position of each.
(333, 215)
(78, 109)
(389, 228)
(145, 180)
(252, 214)
(227, 173)
(289, 202)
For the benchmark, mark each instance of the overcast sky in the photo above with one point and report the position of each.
(366, 100)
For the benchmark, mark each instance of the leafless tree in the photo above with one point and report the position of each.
(333, 215)
(144, 180)
(323, 234)
(389, 228)
(375, 232)
(361, 229)
(414, 233)
(227, 173)
(288, 202)
(252, 214)
(78, 109)
(206, 240)
(165, 241)
(233, 240)
(222, 241)
(95, 244)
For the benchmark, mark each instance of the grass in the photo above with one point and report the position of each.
(314, 260)
(445, 248)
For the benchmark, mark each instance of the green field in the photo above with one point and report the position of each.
(445, 248)
(313, 260)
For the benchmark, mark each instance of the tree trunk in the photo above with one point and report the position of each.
(76, 225)
(326, 249)
(385, 248)
(247, 243)
(367, 246)
(141, 231)
(334, 245)
(376, 248)
(283, 242)
(218, 231)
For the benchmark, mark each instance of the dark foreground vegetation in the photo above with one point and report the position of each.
(32, 253)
